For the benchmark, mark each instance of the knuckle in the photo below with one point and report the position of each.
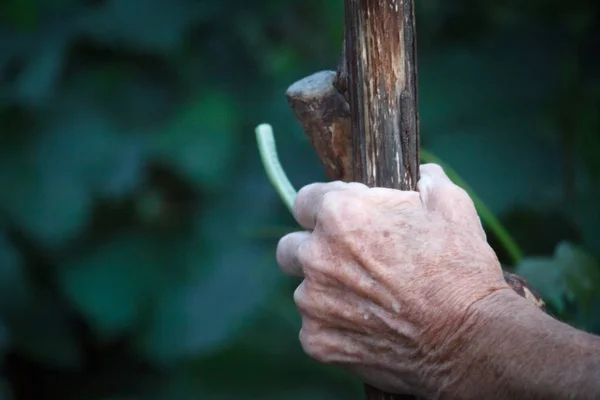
(312, 191)
(301, 298)
(304, 190)
(455, 193)
(336, 206)
(431, 168)
(305, 338)
(303, 196)
(395, 198)
(408, 197)
(305, 255)
(356, 186)
(310, 344)
(283, 248)
(449, 193)
(462, 193)
(412, 199)
(337, 183)
(306, 341)
(432, 176)
(330, 201)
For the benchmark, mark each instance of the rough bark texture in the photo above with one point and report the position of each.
(380, 51)
(325, 117)
(363, 118)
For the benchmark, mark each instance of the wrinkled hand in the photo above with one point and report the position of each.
(389, 278)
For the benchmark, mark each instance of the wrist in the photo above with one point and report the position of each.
(480, 362)
(464, 357)
(510, 349)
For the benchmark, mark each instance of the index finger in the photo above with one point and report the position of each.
(310, 197)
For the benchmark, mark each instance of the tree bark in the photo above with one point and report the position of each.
(380, 49)
(325, 117)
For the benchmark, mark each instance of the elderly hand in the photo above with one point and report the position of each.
(390, 278)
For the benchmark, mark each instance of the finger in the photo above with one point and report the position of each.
(310, 197)
(287, 253)
(400, 198)
(441, 196)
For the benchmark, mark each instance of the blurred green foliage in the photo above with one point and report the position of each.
(137, 227)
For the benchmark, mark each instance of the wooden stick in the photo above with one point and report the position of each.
(325, 117)
(380, 48)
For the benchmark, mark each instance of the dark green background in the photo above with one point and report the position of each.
(138, 229)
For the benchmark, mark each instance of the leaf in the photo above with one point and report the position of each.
(22, 14)
(546, 276)
(203, 316)
(155, 25)
(200, 141)
(87, 147)
(582, 274)
(143, 99)
(236, 279)
(14, 287)
(571, 274)
(45, 332)
(49, 181)
(585, 214)
(587, 124)
(48, 205)
(38, 81)
(113, 285)
(4, 342)
(187, 384)
(487, 116)
(5, 390)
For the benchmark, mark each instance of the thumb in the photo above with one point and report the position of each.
(442, 197)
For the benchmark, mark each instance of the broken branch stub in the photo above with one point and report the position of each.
(325, 117)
